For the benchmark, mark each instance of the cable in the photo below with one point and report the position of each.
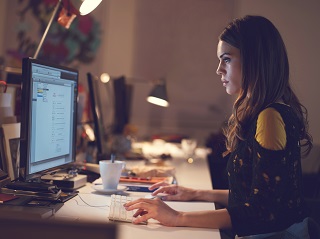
(88, 203)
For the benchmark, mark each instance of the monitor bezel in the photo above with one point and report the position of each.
(25, 133)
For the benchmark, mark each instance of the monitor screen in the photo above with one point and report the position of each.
(48, 117)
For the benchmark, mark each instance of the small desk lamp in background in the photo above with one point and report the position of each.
(158, 94)
(70, 9)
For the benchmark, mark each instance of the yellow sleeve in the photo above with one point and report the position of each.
(271, 132)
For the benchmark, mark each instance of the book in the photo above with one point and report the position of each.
(7, 197)
(30, 207)
(3, 159)
(11, 143)
(137, 187)
(140, 184)
(34, 189)
(146, 180)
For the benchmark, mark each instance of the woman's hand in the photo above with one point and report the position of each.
(174, 192)
(153, 208)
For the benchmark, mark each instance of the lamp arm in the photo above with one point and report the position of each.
(35, 56)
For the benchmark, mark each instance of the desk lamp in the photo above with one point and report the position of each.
(158, 94)
(70, 9)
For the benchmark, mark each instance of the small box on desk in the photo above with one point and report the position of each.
(64, 182)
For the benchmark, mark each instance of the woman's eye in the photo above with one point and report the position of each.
(226, 60)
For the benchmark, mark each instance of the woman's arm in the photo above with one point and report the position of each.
(160, 211)
(217, 219)
(216, 195)
(179, 193)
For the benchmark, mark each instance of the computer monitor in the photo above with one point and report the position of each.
(99, 130)
(122, 98)
(111, 117)
(48, 117)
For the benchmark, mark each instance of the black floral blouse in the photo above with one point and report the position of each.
(265, 185)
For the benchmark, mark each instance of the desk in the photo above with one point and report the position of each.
(190, 175)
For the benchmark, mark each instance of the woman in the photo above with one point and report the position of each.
(265, 134)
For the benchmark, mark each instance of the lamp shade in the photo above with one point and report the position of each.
(85, 6)
(158, 95)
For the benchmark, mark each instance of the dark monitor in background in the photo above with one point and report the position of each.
(96, 110)
(14, 78)
(48, 118)
(122, 98)
(119, 94)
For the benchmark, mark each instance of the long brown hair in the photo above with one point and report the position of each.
(265, 76)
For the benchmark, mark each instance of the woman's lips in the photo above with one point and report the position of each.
(224, 82)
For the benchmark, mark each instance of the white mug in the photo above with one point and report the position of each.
(110, 173)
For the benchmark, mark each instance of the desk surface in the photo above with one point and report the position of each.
(89, 205)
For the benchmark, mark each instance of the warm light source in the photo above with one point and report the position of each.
(158, 95)
(85, 6)
(70, 9)
(89, 132)
(105, 78)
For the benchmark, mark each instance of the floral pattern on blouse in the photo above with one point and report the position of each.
(265, 185)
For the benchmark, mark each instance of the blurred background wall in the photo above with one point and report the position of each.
(176, 40)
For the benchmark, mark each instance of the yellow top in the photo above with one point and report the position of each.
(271, 132)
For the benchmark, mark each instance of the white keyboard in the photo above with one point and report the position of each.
(117, 211)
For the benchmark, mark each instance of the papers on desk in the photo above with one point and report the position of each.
(138, 184)
(152, 171)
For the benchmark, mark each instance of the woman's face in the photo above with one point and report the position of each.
(229, 67)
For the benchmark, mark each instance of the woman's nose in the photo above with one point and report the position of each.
(218, 71)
